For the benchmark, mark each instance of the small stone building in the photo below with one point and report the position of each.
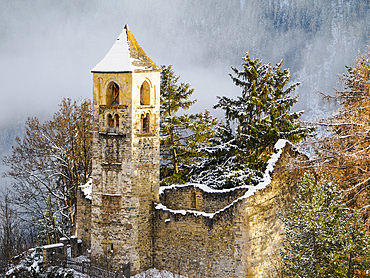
(188, 229)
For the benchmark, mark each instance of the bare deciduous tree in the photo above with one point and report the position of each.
(49, 163)
(343, 147)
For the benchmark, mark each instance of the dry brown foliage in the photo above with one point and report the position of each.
(343, 147)
(52, 160)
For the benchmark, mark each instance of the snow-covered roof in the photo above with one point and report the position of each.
(126, 55)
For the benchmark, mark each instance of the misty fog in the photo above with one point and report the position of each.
(47, 48)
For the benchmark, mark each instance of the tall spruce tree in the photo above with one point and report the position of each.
(314, 230)
(321, 238)
(261, 116)
(181, 135)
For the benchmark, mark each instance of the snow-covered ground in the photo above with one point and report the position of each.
(155, 273)
(33, 264)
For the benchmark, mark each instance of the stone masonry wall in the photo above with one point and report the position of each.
(198, 246)
(83, 219)
(192, 197)
(262, 209)
(241, 240)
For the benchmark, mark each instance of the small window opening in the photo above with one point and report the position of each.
(116, 122)
(110, 123)
(110, 120)
(194, 200)
(145, 123)
(145, 94)
(115, 94)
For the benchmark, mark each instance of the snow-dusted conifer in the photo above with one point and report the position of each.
(181, 135)
(314, 230)
(261, 116)
(321, 238)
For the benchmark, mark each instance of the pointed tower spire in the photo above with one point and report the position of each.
(126, 55)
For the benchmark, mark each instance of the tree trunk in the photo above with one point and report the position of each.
(349, 266)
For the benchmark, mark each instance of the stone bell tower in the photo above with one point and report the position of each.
(126, 102)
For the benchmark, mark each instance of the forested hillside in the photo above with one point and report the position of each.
(202, 39)
(7, 140)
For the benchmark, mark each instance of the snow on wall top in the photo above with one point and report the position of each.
(279, 146)
(126, 55)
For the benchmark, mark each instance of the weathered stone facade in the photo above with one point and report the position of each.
(189, 229)
(126, 156)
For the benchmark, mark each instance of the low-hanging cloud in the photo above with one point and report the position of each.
(48, 48)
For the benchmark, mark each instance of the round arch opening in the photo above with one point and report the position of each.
(112, 94)
(145, 93)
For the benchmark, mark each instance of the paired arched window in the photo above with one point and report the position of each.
(113, 123)
(145, 94)
(110, 121)
(116, 120)
(112, 96)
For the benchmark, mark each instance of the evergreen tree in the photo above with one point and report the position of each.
(321, 239)
(260, 116)
(215, 166)
(314, 230)
(49, 227)
(356, 253)
(181, 135)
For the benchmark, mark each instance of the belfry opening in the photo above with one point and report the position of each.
(145, 94)
(112, 94)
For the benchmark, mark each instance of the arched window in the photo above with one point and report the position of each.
(116, 121)
(145, 94)
(115, 94)
(112, 96)
(145, 124)
(110, 122)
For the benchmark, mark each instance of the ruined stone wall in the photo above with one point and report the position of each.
(192, 197)
(241, 240)
(83, 219)
(198, 246)
(263, 208)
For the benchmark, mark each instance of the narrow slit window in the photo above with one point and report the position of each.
(194, 200)
(145, 123)
(116, 120)
(110, 120)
